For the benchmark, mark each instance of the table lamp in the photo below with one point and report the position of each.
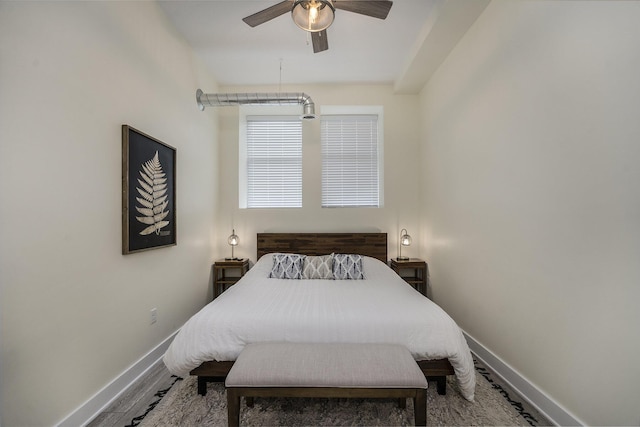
(233, 240)
(405, 240)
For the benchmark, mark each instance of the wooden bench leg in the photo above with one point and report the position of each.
(402, 403)
(249, 401)
(420, 407)
(233, 408)
(441, 384)
(202, 386)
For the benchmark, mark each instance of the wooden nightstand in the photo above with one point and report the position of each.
(414, 271)
(221, 281)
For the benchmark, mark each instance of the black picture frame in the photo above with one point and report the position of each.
(148, 192)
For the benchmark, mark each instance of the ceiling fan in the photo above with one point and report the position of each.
(315, 16)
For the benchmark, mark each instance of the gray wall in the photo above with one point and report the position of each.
(75, 312)
(531, 204)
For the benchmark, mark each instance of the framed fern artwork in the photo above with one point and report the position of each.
(148, 192)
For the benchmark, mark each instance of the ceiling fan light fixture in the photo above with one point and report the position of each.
(313, 15)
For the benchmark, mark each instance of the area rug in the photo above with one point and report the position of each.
(182, 406)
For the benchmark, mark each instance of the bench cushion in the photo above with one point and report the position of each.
(281, 364)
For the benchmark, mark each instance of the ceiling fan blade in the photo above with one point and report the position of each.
(375, 8)
(268, 13)
(319, 41)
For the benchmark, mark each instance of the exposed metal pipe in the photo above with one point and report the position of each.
(234, 99)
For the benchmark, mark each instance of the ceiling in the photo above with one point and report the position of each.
(361, 48)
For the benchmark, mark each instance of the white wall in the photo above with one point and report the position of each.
(75, 312)
(401, 166)
(531, 205)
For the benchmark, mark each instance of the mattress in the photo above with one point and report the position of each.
(381, 308)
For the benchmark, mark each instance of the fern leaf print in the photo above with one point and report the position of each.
(152, 202)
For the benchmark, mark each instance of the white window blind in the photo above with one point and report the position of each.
(350, 161)
(274, 162)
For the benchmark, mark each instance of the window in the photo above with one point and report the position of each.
(351, 156)
(270, 162)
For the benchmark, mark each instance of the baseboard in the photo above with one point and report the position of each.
(532, 394)
(96, 404)
(536, 397)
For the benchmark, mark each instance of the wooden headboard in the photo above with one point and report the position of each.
(369, 244)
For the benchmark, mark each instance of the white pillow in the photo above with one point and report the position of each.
(287, 266)
(347, 266)
(318, 267)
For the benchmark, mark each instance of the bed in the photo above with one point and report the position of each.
(379, 308)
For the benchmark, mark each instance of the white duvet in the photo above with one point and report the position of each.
(382, 308)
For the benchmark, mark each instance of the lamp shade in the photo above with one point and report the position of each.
(233, 239)
(313, 15)
(405, 239)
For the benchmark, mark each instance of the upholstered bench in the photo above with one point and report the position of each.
(274, 369)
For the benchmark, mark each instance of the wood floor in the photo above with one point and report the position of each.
(136, 400)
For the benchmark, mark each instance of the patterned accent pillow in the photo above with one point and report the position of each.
(347, 266)
(287, 266)
(318, 267)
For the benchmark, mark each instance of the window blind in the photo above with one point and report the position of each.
(274, 162)
(350, 164)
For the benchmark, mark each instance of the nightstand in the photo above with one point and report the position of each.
(414, 271)
(221, 281)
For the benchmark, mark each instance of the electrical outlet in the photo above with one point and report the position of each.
(154, 315)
